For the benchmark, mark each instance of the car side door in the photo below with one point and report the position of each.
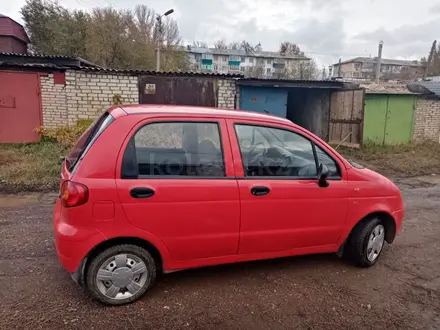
(176, 181)
(282, 206)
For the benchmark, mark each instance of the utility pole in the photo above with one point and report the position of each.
(379, 61)
(159, 36)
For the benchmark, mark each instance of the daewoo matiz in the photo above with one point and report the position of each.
(151, 189)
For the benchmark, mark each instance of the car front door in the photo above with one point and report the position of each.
(177, 183)
(282, 206)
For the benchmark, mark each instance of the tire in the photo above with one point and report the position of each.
(116, 276)
(358, 250)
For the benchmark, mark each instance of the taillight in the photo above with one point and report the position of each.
(73, 194)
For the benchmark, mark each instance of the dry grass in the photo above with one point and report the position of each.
(408, 160)
(30, 167)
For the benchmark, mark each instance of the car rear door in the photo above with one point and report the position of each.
(285, 210)
(177, 183)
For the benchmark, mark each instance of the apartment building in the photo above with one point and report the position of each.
(365, 68)
(260, 64)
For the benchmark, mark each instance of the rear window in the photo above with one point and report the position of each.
(87, 138)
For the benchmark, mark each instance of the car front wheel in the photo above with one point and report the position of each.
(121, 274)
(366, 242)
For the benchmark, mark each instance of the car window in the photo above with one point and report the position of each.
(276, 153)
(177, 149)
(324, 158)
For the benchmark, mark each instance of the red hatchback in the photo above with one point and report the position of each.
(151, 189)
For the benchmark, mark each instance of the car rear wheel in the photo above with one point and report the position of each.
(121, 274)
(366, 242)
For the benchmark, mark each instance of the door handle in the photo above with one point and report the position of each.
(260, 191)
(141, 192)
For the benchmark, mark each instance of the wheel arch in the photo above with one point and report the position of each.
(388, 222)
(153, 250)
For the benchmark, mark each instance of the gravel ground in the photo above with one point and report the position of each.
(402, 291)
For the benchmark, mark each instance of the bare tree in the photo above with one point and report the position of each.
(221, 44)
(199, 44)
(234, 45)
(304, 69)
(289, 48)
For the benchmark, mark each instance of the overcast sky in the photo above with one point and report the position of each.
(324, 29)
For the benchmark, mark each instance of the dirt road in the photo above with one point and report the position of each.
(316, 292)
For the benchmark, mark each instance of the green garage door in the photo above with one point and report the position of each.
(400, 118)
(388, 119)
(375, 114)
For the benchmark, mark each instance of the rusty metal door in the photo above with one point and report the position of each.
(20, 107)
(199, 91)
(346, 117)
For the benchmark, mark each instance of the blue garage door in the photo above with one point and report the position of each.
(263, 99)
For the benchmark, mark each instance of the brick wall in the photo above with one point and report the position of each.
(54, 102)
(427, 120)
(85, 95)
(89, 94)
(226, 93)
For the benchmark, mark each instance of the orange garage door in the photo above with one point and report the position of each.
(20, 107)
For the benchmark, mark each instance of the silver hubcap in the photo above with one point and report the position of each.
(121, 276)
(375, 242)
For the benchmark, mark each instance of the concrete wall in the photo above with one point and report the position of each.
(427, 120)
(85, 95)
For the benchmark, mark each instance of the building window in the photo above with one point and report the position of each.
(207, 56)
(269, 62)
(268, 71)
(224, 58)
(215, 57)
(242, 69)
(251, 60)
(234, 58)
(243, 59)
(215, 67)
(357, 66)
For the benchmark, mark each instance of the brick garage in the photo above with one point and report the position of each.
(84, 94)
(427, 119)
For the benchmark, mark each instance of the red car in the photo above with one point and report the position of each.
(152, 188)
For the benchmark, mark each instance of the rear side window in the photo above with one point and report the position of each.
(169, 149)
(86, 140)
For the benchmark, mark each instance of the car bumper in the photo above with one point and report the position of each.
(73, 243)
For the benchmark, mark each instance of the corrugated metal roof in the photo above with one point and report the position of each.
(162, 73)
(384, 88)
(433, 86)
(293, 83)
(133, 72)
(47, 57)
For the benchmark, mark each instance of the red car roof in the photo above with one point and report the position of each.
(194, 110)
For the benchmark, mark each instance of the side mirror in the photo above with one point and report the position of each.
(323, 175)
